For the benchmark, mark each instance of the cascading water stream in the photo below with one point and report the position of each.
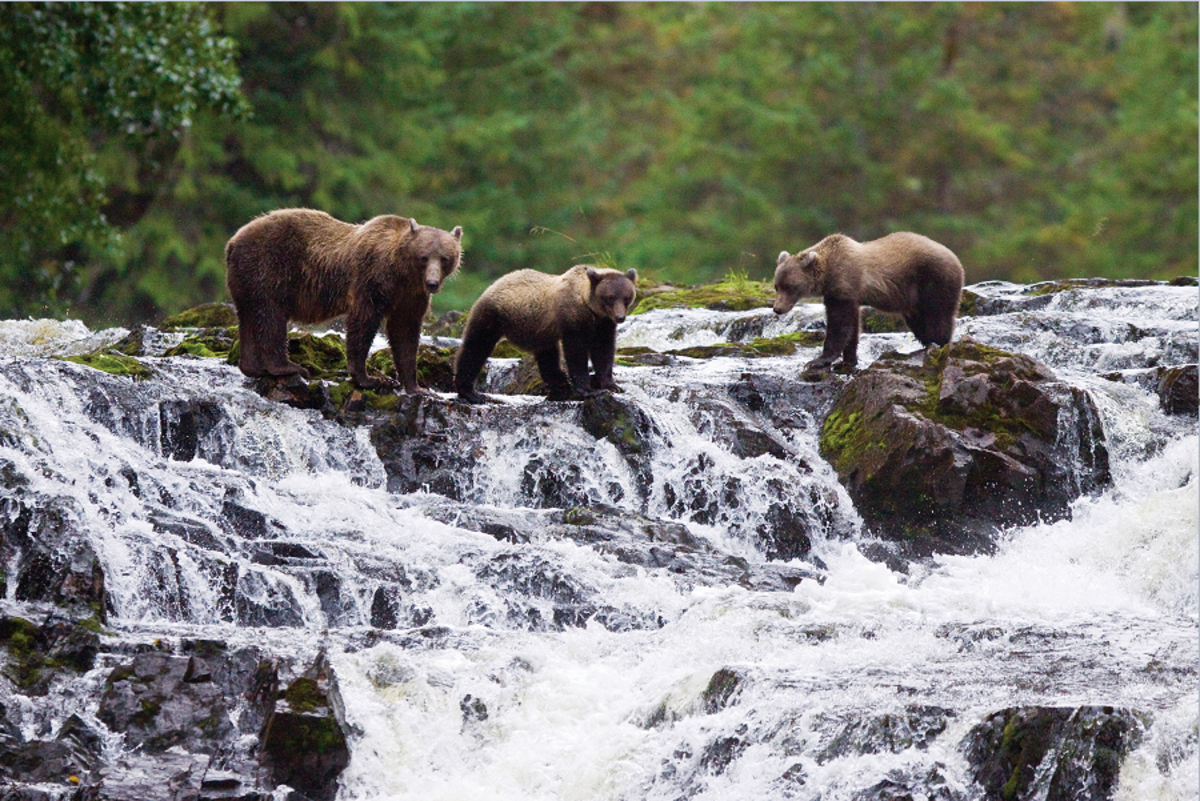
(504, 659)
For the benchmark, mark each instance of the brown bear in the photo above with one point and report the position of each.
(902, 273)
(536, 312)
(306, 266)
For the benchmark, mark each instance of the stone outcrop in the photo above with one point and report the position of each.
(942, 449)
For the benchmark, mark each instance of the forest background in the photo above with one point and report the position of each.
(688, 140)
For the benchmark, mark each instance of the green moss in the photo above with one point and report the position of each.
(579, 516)
(147, 712)
(208, 315)
(112, 363)
(506, 350)
(736, 292)
(323, 357)
(304, 695)
(844, 439)
(757, 348)
(215, 344)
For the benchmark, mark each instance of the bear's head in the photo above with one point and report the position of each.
(612, 293)
(797, 276)
(436, 252)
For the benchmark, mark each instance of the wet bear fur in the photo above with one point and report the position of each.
(902, 273)
(578, 310)
(305, 266)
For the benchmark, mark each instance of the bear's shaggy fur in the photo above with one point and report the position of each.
(903, 273)
(536, 312)
(305, 266)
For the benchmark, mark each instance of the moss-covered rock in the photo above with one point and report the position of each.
(214, 343)
(941, 449)
(734, 293)
(304, 742)
(1053, 752)
(112, 362)
(207, 315)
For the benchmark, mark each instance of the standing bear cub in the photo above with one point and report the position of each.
(306, 266)
(903, 273)
(536, 312)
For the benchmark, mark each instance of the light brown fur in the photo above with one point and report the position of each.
(536, 312)
(305, 266)
(903, 273)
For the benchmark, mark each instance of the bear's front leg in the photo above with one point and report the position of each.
(552, 374)
(575, 353)
(841, 335)
(360, 330)
(404, 335)
(603, 353)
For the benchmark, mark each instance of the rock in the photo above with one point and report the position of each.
(304, 741)
(942, 449)
(54, 561)
(1178, 389)
(206, 315)
(1053, 752)
(913, 727)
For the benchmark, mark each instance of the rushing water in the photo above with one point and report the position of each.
(1100, 609)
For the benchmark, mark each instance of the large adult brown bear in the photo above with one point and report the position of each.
(536, 312)
(903, 273)
(306, 266)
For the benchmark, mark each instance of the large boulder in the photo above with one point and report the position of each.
(942, 449)
(1053, 752)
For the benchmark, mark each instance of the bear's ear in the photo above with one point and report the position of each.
(783, 256)
(457, 233)
(414, 225)
(593, 275)
(631, 275)
(807, 259)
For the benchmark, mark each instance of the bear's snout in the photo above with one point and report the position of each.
(432, 285)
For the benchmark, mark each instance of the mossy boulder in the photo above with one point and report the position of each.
(113, 362)
(207, 315)
(734, 293)
(1053, 752)
(942, 449)
(304, 741)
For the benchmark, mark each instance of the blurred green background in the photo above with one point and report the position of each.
(689, 141)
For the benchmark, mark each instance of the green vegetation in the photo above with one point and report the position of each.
(688, 141)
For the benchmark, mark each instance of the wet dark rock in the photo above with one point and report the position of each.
(1178, 389)
(917, 785)
(185, 425)
(913, 727)
(304, 741)
(1056, 753)
(76, 751)
(55, 561)
(722, 690)
(942, 449)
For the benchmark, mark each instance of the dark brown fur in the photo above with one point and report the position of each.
(536, 312)
(305, 266)
(903, 273)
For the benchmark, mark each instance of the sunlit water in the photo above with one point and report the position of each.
(1099, 609)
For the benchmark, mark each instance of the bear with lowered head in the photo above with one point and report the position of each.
(578, 310)
(902, 273)
(303, 265)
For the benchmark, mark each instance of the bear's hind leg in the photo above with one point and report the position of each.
(477, 345)
(265, 346)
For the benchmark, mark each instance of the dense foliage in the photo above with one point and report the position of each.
(689, 141)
